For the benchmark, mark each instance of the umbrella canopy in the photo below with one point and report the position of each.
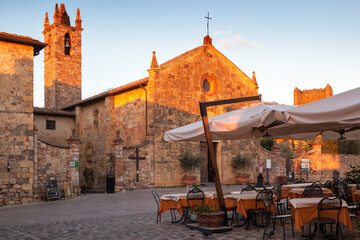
(332, 117)
(246, 122)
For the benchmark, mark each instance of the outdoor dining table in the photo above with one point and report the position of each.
(297, 192)
(356, 195)
(243, 201)
(285, 190)
(305, 209)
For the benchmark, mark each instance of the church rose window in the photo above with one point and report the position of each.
(209, 84)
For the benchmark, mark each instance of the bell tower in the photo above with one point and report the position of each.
(62, 59)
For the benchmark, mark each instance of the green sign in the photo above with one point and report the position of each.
(76, 164)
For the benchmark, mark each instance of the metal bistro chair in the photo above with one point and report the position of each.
(300, 180)
(259, 210)
(248, 188)
(330, 203)
(158, 202)
(194, 196)
(272, 215)
(266, 184)
(317, 183)
(280, 205)
(312, 191)
(281, 183)
(358, 186)
(327, 184)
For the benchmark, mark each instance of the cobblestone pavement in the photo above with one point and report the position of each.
(127, 215)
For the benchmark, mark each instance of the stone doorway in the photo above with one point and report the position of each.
(207, 171)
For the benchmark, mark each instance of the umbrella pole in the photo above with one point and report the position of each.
(205, 121)
(218, 187)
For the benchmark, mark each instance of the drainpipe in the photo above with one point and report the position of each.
(146, 109)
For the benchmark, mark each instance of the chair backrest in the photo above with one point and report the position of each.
(277, 192)
(248, 188)
(156, 196)
(358, 185)
(281, 182)
(195, 195)
(300, 180)
(266, 184)
(327, 184)
(317, 183)
(259, 198)
(329, 203)
(345, 192)
(312, 191)
(268, 201)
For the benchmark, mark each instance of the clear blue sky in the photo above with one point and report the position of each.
(289, 43)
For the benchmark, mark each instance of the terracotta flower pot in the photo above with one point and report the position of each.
(189, 181)
(210, 219)
(242, 178)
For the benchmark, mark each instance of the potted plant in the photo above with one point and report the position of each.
(207, 216)
(189, 162)
(238, 162)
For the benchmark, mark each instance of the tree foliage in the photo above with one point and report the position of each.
(240, 161)
(190, 161)
(267, 143)
(353, 175)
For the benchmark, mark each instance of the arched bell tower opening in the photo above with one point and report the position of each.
(67, 44)
(62, 59)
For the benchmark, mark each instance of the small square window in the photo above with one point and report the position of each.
(50, 124)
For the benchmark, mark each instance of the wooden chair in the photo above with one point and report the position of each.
(330, 203)
(273, 215)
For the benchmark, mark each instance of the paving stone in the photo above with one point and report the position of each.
(124, 215)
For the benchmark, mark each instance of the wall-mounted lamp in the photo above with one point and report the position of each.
(8, 166)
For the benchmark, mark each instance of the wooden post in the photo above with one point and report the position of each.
(207, 131)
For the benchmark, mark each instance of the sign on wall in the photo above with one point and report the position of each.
(268, 163)
(305, 165)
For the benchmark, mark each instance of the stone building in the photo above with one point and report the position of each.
(16, 114)
(117, 133)
(307, 96)
(141, 111)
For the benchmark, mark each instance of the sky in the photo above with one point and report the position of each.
(288, 43)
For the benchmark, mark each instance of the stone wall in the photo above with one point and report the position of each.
(54, 162)
(322, 165)
(306, 96)
(92, 123)
(62, 72)
(278, 165)
(174, 91)
(16, 125)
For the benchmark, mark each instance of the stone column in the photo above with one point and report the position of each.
(73, 163)
(118, 153)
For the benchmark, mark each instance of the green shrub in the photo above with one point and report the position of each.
(190, 161)
(353, 175)
(240, 162)
(267, 143)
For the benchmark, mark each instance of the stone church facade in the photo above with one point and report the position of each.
(117, 133)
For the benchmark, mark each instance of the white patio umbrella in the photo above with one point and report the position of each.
(335, 117)
(246, 122)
